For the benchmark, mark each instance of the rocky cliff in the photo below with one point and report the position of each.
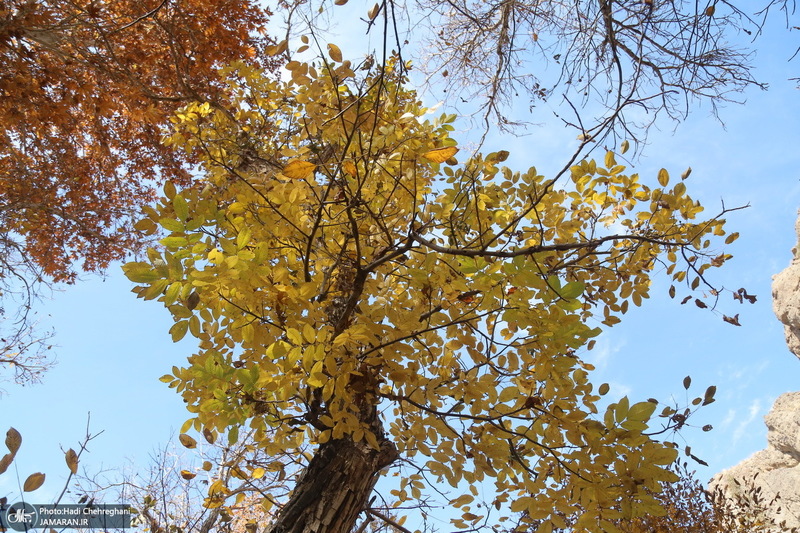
(786, 298)
(771, 477)
(767, 484)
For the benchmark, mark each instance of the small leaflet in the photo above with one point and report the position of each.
(334, 52)
(440, 155)
(299, 170)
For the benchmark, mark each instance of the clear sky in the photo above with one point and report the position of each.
(112, 348)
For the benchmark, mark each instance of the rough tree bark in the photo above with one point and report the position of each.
(335, 487)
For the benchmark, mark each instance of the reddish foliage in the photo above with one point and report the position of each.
(86, 87)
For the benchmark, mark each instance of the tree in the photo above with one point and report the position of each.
(620, 66)
(605, 68)
(356, 288)
(86, 89)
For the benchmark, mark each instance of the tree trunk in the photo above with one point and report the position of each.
(334, 488)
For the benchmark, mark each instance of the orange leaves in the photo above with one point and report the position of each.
(80, 169)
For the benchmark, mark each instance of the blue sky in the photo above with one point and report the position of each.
(112, 348)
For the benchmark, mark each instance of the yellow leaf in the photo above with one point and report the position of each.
(258, 473)
(334, 52)
(309, 333)
(299, 170)
(33, 482)
(440, 155)
(185, 474)
(340, 2)
(663, 177)
(213, 503)
(277, 49)
(521, 504)
(349, 167)
(462, 500)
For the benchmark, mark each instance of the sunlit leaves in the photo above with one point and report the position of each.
(334, 52)
(277, 49)
(339, 270)
(440, 155)
(299, 170)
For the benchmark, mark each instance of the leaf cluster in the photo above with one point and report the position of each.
(347, 277)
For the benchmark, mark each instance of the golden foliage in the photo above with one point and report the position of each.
(453, 300)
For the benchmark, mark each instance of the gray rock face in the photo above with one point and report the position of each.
(786, 298)
(773, 474)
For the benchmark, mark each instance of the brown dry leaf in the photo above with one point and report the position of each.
(299, 170)
(72, 460)
(440, 155)
(732, 320)
(187, 441)
(33, 482)
(185, 474)
(5, 462)
(13, 440)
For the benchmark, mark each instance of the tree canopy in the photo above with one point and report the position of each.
(86, 89)
(356, 289)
